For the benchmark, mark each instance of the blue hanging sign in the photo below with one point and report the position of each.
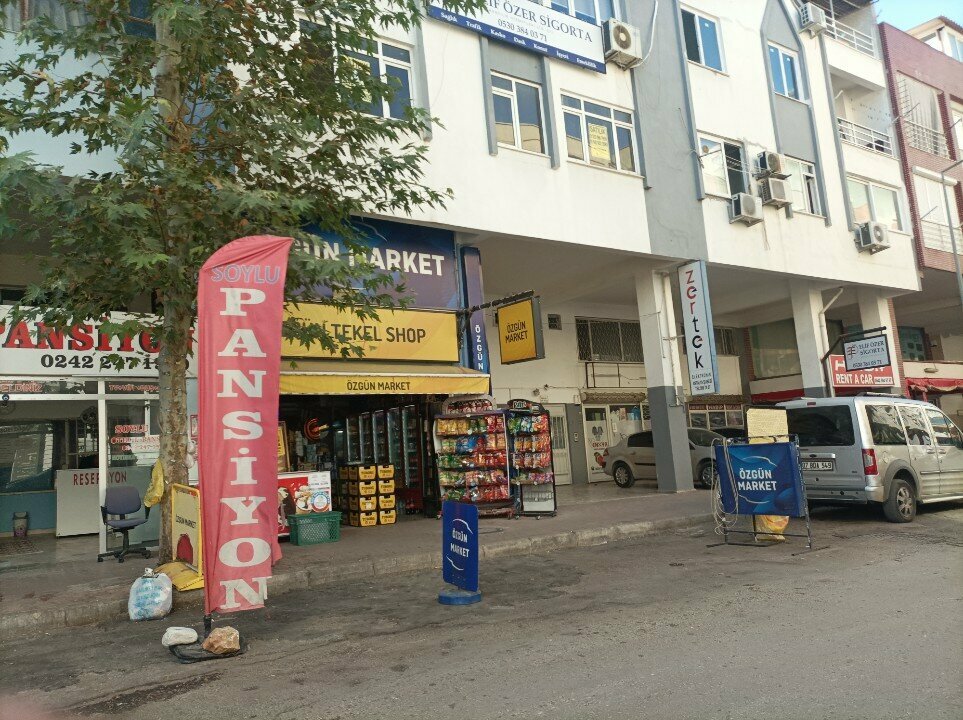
(762, 479)
(459, 547)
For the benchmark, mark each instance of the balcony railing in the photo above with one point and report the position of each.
(936, 236)
(925, 139)
(856, 39)
(865, 137)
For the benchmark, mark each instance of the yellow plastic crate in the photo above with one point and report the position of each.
(363, 519)
(353, 487)
(387, 517)
(352, 473)
(367, 472)
(386, 502)
(368, 488)
(386, 487)
(386, 472)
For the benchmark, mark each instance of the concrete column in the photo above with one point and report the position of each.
(874, 311)
(807, 305)
(664, 379)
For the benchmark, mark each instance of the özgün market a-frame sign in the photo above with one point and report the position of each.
(240, 301)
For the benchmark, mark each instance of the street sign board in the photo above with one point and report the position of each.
(761, 479)
(866, 353)
(700, 340)
(459, 546)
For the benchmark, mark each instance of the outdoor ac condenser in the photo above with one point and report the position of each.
(872, 237)
(774, 191)
(745, 208)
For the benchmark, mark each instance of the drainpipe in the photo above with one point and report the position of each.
(825, 338)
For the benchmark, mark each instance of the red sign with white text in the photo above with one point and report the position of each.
(874, 377)
(240, 301)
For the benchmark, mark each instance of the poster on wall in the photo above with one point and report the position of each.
(700, 339)
(596, 442)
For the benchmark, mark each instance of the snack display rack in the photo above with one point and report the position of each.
(472, 455)
(530, 447)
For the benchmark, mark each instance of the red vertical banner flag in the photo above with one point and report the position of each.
(240, 302)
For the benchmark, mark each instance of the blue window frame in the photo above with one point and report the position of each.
(702, 43)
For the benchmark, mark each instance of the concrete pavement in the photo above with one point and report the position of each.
(65, 586)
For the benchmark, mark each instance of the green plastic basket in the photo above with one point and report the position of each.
(315, 528)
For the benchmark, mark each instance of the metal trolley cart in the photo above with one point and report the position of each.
(530, 458)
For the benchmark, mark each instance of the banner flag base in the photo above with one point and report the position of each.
(454, 596)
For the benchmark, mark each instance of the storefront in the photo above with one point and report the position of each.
(72, 424)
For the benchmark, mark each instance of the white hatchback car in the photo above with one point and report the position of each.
(633, 457)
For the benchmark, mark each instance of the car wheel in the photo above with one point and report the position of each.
(623, 475)
(707, 474)
(900, 506)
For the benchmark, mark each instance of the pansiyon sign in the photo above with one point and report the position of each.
(240, 301)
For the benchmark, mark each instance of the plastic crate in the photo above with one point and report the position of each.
(386, 487)
(385, 502)
(315, 528)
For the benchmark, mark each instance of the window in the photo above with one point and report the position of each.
(912, 343)
(931, 205)
(826, 426)
(26, 456)
(956, 46)
(598, 134)
(726, 343)
(15, 14)
(643, 439)
(917, 431)
(946, 432)
(956, 120)
(391, 63)
(785, 72)
(774, 352)
(702, 40)
(805, 190)
(518, 113)
(920, 109)
(608, 340)
(9, 295)
(723, 167)
(885, 425)
(871, 202)
(593, 11)
(554, 322)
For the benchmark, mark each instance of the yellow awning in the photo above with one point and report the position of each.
(358, 377)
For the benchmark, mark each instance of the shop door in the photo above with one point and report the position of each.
(133, 446)
(596, 427)
(560, 456)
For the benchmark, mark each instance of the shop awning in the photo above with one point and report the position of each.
(603, 397)
(937, 385)
(358, 377)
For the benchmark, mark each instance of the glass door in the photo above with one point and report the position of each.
(595, 424)
(411, 441)
(379, 435)
(364, 432)
(394, 436)
(353, 439)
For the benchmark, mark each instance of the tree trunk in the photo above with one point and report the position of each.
(172, 375)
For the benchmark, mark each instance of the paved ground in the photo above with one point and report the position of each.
(870, 627)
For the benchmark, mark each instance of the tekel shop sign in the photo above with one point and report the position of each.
(534, 27)
(866, 353)
(873, 377)
(761, 479)
(699, 335)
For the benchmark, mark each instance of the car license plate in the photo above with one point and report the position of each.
(818, 465)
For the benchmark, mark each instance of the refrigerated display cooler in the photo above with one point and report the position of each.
(531, 467)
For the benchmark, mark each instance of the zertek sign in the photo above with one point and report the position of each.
(534, 27)
(699, 336)
(866, 353)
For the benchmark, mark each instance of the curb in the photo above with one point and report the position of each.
(90, 612)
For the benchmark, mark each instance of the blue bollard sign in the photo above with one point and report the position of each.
(763, 479)
(459, 551)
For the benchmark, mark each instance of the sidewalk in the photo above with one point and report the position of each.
(62, 584)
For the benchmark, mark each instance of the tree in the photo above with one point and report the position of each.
(226, 118)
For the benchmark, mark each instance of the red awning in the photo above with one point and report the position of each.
(777, 396)
(938, 385)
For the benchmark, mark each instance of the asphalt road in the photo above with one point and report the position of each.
(869, 627)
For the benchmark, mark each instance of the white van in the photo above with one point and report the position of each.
(877, 449)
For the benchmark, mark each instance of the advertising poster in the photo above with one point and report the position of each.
(300, 494)
(459, 544)
(598, 140)
(596, 441)
(763, 479)
(186, 519)
(700, 340)
(240, 304)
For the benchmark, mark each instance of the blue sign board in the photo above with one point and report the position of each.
(763, 479)
(477, 345)
(459, 546)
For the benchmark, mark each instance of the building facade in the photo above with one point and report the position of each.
(925, 76)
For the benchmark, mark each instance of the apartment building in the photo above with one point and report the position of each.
(594, 146)
(925, 77)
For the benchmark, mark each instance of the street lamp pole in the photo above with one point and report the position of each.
(949, 220)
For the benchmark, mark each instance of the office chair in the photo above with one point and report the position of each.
(121, 501)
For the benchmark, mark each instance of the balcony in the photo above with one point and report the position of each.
(856, 39)
(864, 137)
(936, 236)
(925, 139)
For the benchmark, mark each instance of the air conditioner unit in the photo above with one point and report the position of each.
(622, 42)
(812, 18)
(771, 164)
(745, 208)
(872, 236)
(774, 191)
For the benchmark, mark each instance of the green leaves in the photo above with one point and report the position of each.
(235, 118)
